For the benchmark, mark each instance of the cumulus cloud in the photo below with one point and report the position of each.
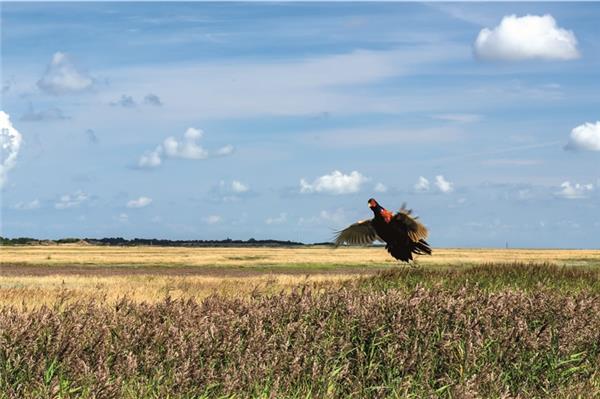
(212, 219)
(282, 218)
(140, 202)
(443, 185)
(334, 183)
(575, 190)
(51, 114)
(230, 191)
(63, 77)
(239, 187)
(380, 188)
(27, 206)
(422, 185)
(125, 101)
(151, 159)
(527, 37)
(10, 143)
(152, 99)
(225, 150)
(585, 137)
(185, 148)
(71, 200)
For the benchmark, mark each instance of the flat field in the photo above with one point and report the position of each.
(314, 322)
(34, 275)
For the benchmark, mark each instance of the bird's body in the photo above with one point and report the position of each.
(404, 235)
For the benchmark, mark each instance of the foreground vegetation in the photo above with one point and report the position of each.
(482, 331)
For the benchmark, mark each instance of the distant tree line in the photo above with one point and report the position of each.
(120, 241)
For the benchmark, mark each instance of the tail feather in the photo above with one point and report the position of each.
(405, 252)
(421, 248)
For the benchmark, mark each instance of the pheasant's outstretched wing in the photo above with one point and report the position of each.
(409, 225)
(360, 233)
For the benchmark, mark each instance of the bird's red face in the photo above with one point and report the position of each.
(372, 203)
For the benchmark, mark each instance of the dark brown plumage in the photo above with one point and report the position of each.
(403, 234)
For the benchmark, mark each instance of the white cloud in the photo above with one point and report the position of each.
(443, 185)
(282, 218)
(123, 218)
(151, 159)
(380, 188)
(193, 134)
(10, 143)
(422, 184)
(139, 203)
(71, 200)
(575, 191)
(238, 187)
(186, 148)
(585, 137)
(334, 183)
(27, 206)
(63, 77)
(212, 219)
(225, 150)
(527, 37)
(229, 192)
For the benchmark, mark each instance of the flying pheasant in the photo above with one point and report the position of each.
(403, 234)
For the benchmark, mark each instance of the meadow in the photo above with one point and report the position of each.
(146, 322)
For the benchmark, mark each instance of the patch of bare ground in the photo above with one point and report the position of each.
(14, 270)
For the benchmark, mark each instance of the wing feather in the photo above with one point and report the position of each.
(359, 233)
(410, 225)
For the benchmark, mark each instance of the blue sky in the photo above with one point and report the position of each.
(280, 120)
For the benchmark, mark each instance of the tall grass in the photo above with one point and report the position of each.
(490, 276)
(377, 338)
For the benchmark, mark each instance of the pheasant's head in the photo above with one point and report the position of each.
(378, 209)
(372, 203)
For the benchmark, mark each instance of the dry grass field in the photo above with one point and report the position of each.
(310, 256)
(34, 275)
(144, 322)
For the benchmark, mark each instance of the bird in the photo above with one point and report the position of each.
(403, 234)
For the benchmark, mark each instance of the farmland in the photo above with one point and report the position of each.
(87, 321)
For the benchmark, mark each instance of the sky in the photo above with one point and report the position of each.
(280, 120)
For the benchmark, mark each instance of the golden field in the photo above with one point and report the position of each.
(35, 275)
